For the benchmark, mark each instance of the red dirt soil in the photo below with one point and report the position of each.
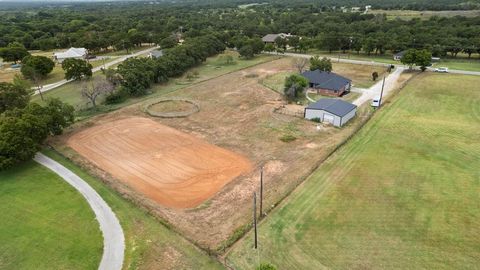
(170, 167)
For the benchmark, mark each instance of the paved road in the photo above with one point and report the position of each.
(333, 59)
(373, 63)
(375, 90)
(120, 59)
(113, 238)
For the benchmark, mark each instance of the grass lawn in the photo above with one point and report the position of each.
(149, 244)
(461, 63)
(212, 68)
(402, 194)
(45, 223)
(424, 14)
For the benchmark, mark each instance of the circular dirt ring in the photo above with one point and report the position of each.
(172, 107)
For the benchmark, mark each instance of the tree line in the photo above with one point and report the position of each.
(125, 26)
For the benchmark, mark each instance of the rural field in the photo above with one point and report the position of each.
(361, 75)
(45, 222)
(402, 193)
(236, 114)
(213, 67)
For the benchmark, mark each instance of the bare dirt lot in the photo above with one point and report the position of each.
(237, 113)
(168, 166)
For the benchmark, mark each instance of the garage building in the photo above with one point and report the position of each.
(331, 110)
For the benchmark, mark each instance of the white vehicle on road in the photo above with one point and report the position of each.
(375, 101)
(441, 69)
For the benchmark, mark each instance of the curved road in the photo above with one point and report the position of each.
(113, 238)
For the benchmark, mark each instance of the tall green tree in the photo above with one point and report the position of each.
(294, 85)
(323, 64)
(13, 54)
(76, 69)
(12, 96)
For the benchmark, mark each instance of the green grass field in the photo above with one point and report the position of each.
(212, 68)
(45, 223)
(402, 194)
(462, 62)
(149, 244)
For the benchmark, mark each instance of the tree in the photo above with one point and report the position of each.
(137, 75)
(374, 76)
(23, 130)
(294, 84)
(92, 90)
(246, 52)
(36, 68)
(16, 143)
(294, 42)
(323, 64)
(76, 69)
(55, 114)
(409, 58)
(13, 96)
(300, 63)
(269, 47)
(13, 54)
(112, 76)
(168, 42)
(257, 45)
(281, 43)
(423, 58)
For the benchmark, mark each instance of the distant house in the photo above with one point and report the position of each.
(327, 83)
(398, 56)
(331, 110)
(155, 54)
(77, 53)
(270, 38)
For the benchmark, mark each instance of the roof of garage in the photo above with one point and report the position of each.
(326, 80)
(333, 105)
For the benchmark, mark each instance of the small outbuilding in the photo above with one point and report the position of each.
(331, 110)
(327, 83)
(77, 53)
(155, 54)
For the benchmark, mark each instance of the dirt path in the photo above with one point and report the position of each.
(113, 238)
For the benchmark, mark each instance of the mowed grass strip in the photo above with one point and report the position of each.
(45, 223)
(402, 194)
(149, 243)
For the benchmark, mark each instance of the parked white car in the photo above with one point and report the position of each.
(375, 101)
(441, 69)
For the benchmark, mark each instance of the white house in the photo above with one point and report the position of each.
(78, 53)
(330, 110)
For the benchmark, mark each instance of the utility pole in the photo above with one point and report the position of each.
(255, 216)
(381, 93)
(261, 192)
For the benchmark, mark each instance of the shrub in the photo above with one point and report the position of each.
(316, 120)
(287, 138)
(116, 97)
(266, 266)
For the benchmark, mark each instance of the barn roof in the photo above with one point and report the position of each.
(333, 105)
(326, 80)
(72, 53)
(272, 37)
